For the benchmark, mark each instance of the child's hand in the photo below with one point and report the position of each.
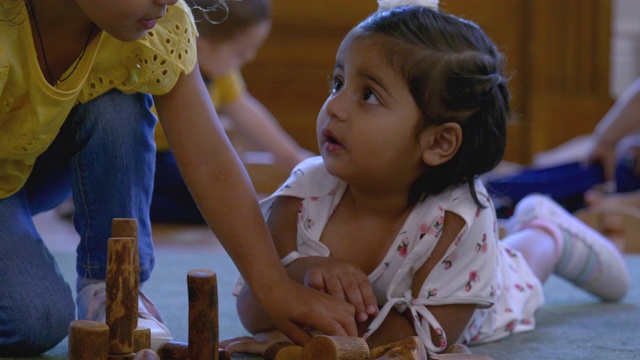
(293, 309)
(344, 281)
(605, 155)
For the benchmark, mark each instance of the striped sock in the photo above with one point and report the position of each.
(585, 258)
(578, 262)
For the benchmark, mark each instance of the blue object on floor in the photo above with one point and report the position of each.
(559, 182)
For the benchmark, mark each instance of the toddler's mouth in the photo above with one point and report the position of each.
(330, 138)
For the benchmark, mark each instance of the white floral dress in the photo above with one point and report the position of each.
(476, 269)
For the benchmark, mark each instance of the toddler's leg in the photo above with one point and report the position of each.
(35, 301)
(586, 258)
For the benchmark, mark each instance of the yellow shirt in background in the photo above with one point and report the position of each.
(32, 111)
(223, 91)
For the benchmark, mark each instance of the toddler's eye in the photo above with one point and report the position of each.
(370, 97)
(335, 85)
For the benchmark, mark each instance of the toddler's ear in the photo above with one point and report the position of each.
(440, 143)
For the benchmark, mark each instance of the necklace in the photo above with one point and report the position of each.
(44, 53)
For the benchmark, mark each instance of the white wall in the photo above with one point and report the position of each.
(625, 45)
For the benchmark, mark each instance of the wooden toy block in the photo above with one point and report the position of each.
(408, 349)
(123, 339)
(122, 295)
(121, 356)
(203, 314)
(174, 350)
(323, 347)
(223, 355)
(283, 351)
(88, 340)
(128, 228)
(203, 321)
(141, 339)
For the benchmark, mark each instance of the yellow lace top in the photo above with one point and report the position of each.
(32, 111)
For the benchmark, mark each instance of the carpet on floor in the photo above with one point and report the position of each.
(571, 325)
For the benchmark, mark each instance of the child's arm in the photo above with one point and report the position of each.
(453, 318)
(345, 282)
(223, 192)
(621, 120)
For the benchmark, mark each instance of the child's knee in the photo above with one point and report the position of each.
(35, 327)
(119, 117)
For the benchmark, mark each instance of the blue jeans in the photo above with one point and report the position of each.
(171, 201)
(104, 156)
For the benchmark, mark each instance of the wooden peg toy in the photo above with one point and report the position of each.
(324, 347)
(203, 314)
(128, 228)
(122, 295)
(283, 351)
(410, 348)
(88, 340)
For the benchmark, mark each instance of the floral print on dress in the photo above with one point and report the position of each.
(441, 338)
(300, 212)
(482, 245)
(510, 326)
(432, 292)
(309, 224)
(473, 278)
(403, 247)
(423, 230)
(434, 230)
(447, 262)
(530, 286)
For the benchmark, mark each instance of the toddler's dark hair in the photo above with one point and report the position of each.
(455, 74)
(221, 20)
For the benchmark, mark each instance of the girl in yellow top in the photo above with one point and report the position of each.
(223, 48)
(74, 118)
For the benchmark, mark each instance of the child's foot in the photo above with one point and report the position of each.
(620, 224)
(586, 258)
(92, 301)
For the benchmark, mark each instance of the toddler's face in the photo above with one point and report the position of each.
(367, 127)
(219, 58)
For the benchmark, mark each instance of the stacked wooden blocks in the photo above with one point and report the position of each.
(119, 338)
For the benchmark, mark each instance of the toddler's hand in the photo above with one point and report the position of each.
(344, 281)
